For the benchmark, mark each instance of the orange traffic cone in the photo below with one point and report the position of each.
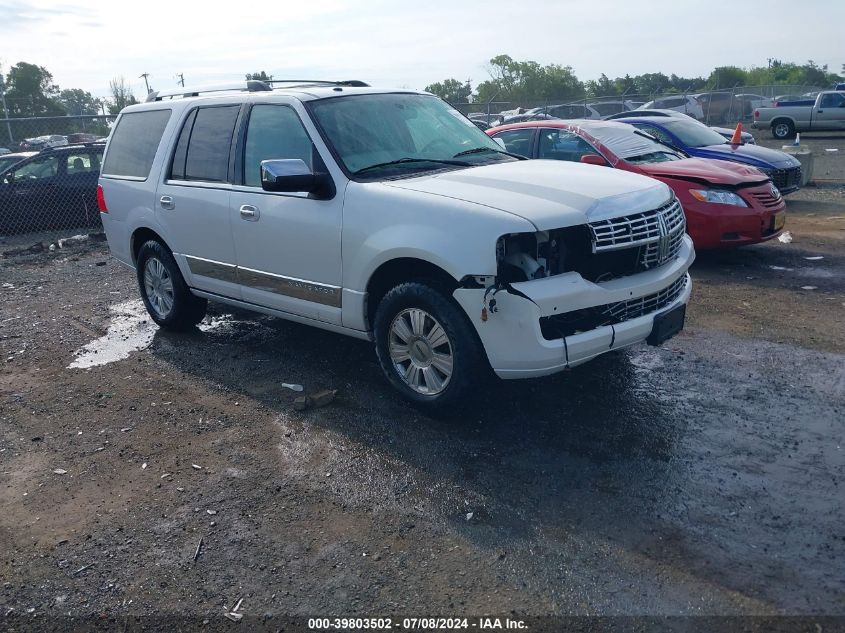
(736, 139)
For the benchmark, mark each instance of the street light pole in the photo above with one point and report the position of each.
(147, 83)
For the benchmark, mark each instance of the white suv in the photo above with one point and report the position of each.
(389, 216)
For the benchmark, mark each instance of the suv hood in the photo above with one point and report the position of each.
(748, 154)
(717, 172)
(548, 193)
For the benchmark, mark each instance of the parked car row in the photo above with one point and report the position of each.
(54, 188)
(728, 192)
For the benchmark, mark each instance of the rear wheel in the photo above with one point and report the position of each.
(426, 346)
(164, 291)
(783, 129)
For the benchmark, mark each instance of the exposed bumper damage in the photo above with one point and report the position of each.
(543, 326)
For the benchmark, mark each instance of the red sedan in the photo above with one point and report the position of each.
(726, 204)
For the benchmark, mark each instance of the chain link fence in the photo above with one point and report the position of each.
(49, 167)
(713, 107)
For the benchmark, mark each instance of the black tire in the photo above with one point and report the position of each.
(469, 362)
(783, 130)
(186, 309)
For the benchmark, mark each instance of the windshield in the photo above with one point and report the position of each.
(693, 133)
(396, 134)
(631, 145)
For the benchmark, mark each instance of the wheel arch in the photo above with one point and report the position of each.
(399, 270)
(782, 119)
(139, 236)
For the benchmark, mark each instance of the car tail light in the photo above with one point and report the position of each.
(101, 200)
(756, 114)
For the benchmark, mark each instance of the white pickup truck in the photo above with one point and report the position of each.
(826, 114)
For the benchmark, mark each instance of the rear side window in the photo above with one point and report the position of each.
(207, 156)
(134, 143)
(517, 141)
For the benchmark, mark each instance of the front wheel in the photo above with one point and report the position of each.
(166, 296)
(426, 346)
(783, 130)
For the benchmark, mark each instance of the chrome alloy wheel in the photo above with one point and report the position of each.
(159, 287)
(781, 130)
(421, 351)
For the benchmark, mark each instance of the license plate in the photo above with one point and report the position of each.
(667, 324)
(779, 221)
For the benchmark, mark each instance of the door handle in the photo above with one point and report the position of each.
(249, 212)
(166, 202)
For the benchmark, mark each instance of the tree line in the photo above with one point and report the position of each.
(525, 81)
(30, 92)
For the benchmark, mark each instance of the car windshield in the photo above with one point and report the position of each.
(693, 133)
(633, 146)
(379, 135)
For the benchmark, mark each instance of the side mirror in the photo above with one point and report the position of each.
(9, 178)
(292, 175)
(593, 159)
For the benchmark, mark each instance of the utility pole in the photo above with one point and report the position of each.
(181, 78)
(147, 83)
(5, 110)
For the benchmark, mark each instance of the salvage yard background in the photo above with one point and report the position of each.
(703, 477)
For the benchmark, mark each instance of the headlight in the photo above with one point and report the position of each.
(718, 196)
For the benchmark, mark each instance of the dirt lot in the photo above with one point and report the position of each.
(703, 477)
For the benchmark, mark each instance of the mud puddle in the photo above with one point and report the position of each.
(130, 330)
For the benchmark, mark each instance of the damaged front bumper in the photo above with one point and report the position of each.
(517, 335)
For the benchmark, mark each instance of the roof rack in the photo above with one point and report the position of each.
(251, 85)
(349, 83)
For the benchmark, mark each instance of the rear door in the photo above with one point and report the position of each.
(830, 113)
(287, 244)
(192, 202)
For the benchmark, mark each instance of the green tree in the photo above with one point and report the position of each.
(451, 90)
(261, 76)
(727, 77)
(517, 81)
(30, 91)
(601, 87)
(121, 95)
(76, 102)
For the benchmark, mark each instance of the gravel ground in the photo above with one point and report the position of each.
(704, 477)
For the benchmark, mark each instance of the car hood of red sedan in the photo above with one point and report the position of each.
(717, 172)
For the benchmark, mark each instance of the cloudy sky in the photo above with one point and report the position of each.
(84, 43)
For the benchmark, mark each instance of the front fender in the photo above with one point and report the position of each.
(385, 223)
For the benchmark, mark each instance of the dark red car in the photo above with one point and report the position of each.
(726, 204)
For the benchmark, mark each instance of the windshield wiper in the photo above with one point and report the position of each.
(402, 161)
(478, 150)
(661, 142)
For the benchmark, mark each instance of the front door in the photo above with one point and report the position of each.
(287, 244)
(29, 195)
(830, 115)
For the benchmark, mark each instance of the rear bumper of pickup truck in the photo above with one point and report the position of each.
(531, 332)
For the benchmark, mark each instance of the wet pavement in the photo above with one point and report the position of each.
(702, 477)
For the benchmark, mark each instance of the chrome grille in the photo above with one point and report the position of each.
(767, 199)
(633, 308)
(659, 231)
